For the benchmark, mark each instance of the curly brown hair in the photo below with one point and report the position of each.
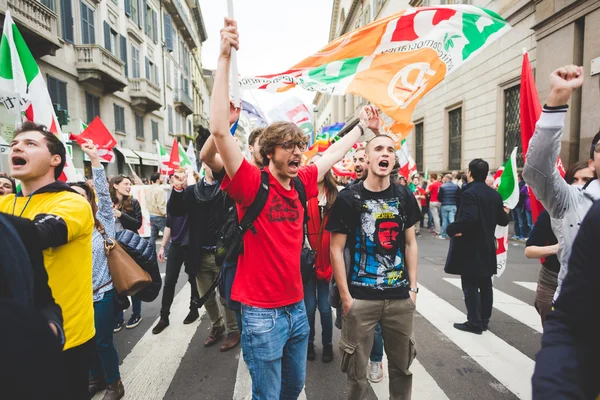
(127, 203)
(275, 134)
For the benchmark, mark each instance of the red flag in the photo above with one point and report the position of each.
(97, 132)
(531, 110)
(174, 159)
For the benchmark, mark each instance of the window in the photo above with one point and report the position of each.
(66, 20)
(189, 127)
(512, 124)
(168, 32)
(92, 106)
(177, 123)
(170, 117)
(111, 39)
(154, 131)
(50, 4)
(139, 126)
(455, 135)
(119, 119)
(135, 62)
(124, 54)
(135, 16)
(58, 92)
(419, 146)
(88, 35)
(151, 71)
(151, 23)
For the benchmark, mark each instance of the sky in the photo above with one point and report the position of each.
(274, 35)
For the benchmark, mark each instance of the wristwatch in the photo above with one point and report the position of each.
(414, 289)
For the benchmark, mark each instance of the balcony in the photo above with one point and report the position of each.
(183, 102)
(200, 120)
(145, 95)
(37, 23)
(180, 19)
(98, 67)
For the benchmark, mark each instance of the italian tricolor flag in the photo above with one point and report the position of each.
(23, 90)
(407, 165)
(163, 160)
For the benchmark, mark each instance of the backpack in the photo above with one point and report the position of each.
(230, 243)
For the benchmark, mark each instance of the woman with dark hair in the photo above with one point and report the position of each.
(105, 365)
(542, 244)
(7, 184)
(128, 215)
(316, 290)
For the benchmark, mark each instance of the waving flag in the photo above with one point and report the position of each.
(163, 160)
(253, 113)
(294, 110)
(97, 132)
(327, 136)
(184, 160)
(395, 61)
(174, 157)
(191, 155)
(407, 165)
(23, 90)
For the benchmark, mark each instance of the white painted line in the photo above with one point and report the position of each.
(243, 382)
(149, 369)
(505, 363)
(528, 285)
(511, 306)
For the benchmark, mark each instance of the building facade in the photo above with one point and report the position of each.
(475, 111)
(130, 62)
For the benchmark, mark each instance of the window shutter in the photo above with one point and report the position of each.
(140, 13)
(124, 52)
(66, 10)
(146, 22)
(168, 32)
(91, 26)
(107, 36)
(154, 27)
(128, 7)
(147, 68)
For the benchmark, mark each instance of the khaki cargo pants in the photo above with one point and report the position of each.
(396, 317)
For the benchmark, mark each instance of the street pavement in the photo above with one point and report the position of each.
(450, 364)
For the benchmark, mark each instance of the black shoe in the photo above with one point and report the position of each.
(192, 316)
(118, 325)
(95, 385)
(133, 321)
(327, 356)
(310, 354)
(485, 327)
(162, 324)
(467, 327)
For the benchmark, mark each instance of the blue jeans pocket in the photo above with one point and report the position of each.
(258, 320)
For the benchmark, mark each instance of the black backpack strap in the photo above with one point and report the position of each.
(246, 223)
(299, 186)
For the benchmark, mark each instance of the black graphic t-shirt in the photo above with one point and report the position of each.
(375, 230)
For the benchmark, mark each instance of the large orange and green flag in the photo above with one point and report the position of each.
(23, 90)
(393, 62)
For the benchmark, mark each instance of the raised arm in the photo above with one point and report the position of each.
(227, 147)
(209, 154)
(369, 118)
(540, 170)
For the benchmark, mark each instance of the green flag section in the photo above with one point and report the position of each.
(509, 184)
(163, 159)
(184, 160)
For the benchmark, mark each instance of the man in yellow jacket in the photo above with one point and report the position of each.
(64, 225)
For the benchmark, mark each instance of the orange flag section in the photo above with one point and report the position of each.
(396, 82)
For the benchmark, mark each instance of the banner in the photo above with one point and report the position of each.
(502, 249)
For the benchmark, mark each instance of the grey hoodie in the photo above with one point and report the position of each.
(566, 204)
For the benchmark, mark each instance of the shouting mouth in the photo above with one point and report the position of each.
(294, 165)
(384, 164)
(18, 161)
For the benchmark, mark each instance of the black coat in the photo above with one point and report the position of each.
(474, 253)
(132, 220)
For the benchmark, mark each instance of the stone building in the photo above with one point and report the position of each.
(134, 63)
(475, 111)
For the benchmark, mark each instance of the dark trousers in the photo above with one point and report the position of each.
(175, 260)
(105, 362)
(479, 298)
(77, 361)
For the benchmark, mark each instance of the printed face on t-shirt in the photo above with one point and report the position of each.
(387, 235)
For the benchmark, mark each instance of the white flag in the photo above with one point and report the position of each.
(191, 153)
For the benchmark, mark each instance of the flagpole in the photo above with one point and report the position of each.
(234, 67)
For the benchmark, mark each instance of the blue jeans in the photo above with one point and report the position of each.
(105, 364)
(529, 221)
(274, 344)
(377, 350)
(137, 308)
(448, 214)
(520, 220)
(316, 291)
(157, 224)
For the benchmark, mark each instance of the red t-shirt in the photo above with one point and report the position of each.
(434, 189)
(421, 192)
(268, 271)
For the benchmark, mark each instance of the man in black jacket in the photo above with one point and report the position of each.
(472, 253)
(449, 196)
(567, 365)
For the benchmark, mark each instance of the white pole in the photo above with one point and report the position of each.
(234, 67)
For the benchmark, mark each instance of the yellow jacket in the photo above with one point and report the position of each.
(64, 225)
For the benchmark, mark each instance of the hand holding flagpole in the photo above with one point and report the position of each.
(234, 68)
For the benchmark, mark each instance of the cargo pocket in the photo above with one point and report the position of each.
(412, 352)
(347, 350)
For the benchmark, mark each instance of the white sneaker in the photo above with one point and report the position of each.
(375, 373)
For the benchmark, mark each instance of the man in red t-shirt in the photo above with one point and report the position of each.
(419, 193)
(268, 282)
(433, 190)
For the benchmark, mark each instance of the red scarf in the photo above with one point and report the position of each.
(323, 258)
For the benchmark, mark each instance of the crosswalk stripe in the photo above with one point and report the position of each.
(508, 365)
(511, 306)
(149, 369)
(243, 382)
(528, 285)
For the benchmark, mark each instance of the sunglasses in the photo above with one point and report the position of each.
(289, 146)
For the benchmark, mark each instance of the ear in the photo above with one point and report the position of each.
(251, 148)
(591, 164)
(55, 160)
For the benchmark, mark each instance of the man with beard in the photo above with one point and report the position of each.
(374, 220)
(563, 201)
(360, 165)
